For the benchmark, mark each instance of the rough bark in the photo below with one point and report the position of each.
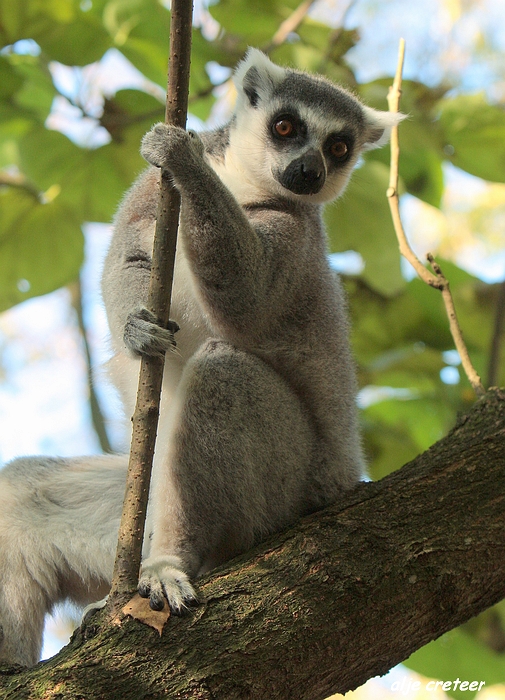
(343, 596)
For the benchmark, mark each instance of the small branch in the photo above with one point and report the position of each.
(289, 26)
(22, 183)
(96, 412)
(145, 418)
(394, 96)
(335, 36)
(437, 280)
(454, 326)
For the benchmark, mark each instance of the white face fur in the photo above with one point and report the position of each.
(297, 135)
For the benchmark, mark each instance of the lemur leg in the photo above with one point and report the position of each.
(58, 531)
(234, 471)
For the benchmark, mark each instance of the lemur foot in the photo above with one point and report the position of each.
(144, 335)
(162, 579)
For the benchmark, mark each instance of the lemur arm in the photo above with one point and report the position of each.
(236, 263)
(125, 280)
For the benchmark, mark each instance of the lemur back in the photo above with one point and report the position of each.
(258, 423)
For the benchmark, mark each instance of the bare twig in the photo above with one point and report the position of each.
(289, 26)
(436, 280)
(457, 336)
(145, 418)
(22, 183)
(97, 417)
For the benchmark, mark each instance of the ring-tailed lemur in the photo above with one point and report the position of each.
(258, 422)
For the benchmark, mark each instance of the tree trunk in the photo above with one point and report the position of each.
(343, 596)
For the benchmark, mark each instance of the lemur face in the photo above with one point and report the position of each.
(310, 157)
(297, 134)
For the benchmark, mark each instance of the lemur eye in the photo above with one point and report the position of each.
(284, 128)
(339, 149)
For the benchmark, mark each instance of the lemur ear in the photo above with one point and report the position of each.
(256, 76)
(379, 125)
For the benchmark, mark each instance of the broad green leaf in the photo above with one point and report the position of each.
(360, 220)
(257, 27)
(474, 135)
(387, 448)
(62, 29)
(405, 424)
(37, 92)
(41, 246)
(425, 419)
(458, 655)
(91, 182)
(202, 107)
(314, 33)
(75, 43)
(383, 326)
(10, 132)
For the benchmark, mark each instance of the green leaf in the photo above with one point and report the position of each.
(424, 419)
(37, 92)
(62, 29)
(76, 43)
(360, 220)
(475, 131)
(387, 447)
(91, 182)
(457, 655)
(10, 131)
(41, 247)
(257, 27)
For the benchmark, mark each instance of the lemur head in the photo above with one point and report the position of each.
(299, 135)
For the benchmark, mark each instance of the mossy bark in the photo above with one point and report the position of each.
(343, 596)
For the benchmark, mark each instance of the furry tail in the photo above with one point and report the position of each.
(59, 520)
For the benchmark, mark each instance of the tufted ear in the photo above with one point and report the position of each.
(255, 78)
(378, 126)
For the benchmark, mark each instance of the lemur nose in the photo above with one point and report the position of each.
(305, 175)
(312, 168)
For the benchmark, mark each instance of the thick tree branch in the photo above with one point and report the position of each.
(343, 596)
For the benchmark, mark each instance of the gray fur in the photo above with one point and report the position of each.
(216, 142)
(258, 423)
